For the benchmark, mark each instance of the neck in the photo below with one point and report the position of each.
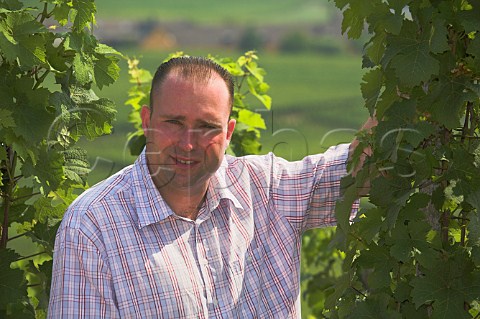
(184, 202)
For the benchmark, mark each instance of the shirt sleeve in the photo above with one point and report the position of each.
(306, 192)
(81, 278)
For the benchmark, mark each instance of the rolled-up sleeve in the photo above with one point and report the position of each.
(306, 192)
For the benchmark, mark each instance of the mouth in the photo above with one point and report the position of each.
(186, 162)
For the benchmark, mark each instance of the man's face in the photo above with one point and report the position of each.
(187, 131)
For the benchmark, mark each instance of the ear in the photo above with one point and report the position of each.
(145, 115)
(230, 129)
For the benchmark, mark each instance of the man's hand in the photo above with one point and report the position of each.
(366, 151)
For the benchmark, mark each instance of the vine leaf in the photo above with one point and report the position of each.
(371, 88)
(83, 13)
(415, 65)
(12, 282)
(474, 227)
(252, 119)
(20, 39)
(438, 39)
(48, 168)
(77, 166)
(106, 70)
(32, 118)
(448, 284)
(7, 119)
(449, 97)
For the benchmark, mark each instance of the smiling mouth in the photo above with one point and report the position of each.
(185, 162)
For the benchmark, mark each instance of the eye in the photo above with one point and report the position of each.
(174, 122)
(210, 127)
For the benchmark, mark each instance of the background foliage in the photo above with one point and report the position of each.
(414, 252)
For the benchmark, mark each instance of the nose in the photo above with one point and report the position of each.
(187, 140)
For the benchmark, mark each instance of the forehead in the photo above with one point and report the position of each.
(189, 93)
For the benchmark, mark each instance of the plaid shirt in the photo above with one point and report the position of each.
(121, 252)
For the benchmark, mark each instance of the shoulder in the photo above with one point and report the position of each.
(101, 195)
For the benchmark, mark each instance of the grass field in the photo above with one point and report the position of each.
(219, 11)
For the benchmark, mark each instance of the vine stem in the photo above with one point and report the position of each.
(463, 226)
(11, 163)
(31, 256)
(18, 236)
(44, 13)
(445, 216)
(39, 80)
(468, 113)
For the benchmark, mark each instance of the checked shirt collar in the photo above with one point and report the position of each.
(151, 207)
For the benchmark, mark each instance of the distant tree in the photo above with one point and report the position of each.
(251, 39)
(294, 42)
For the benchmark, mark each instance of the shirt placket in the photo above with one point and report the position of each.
(207, 261)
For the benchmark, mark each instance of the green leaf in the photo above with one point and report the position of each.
(77, 166)
(84, 14)
(104, 49)
(352, 24)
(474, 50)
(7, 119)
(61, 12)
(20, 39)
(415, 65)
(30, 111)
(83, 68)
(447, 100)
(251, 119)
(12, 5)
(473, 227)
(46, 268)
(370, 225)
(257, 72)
(45, 210)
(95, 116)
(377, 258)
(43, 233)
(374, 308)
(371, 88)
(469, 18)
(343, 207)
(341, 285)
(449, 284)
(12, 281)
(376, 48)
(257, 88)
(438, 37)
(106, 70)
(48, 169)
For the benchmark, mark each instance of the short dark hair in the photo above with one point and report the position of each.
(195, 68)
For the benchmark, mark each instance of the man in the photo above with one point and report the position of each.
(186, 232)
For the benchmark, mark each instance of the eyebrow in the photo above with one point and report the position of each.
(182, 118)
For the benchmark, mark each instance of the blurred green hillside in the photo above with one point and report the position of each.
(219, 11)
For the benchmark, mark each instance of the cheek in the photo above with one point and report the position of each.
(215, 145)
(166, 132)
